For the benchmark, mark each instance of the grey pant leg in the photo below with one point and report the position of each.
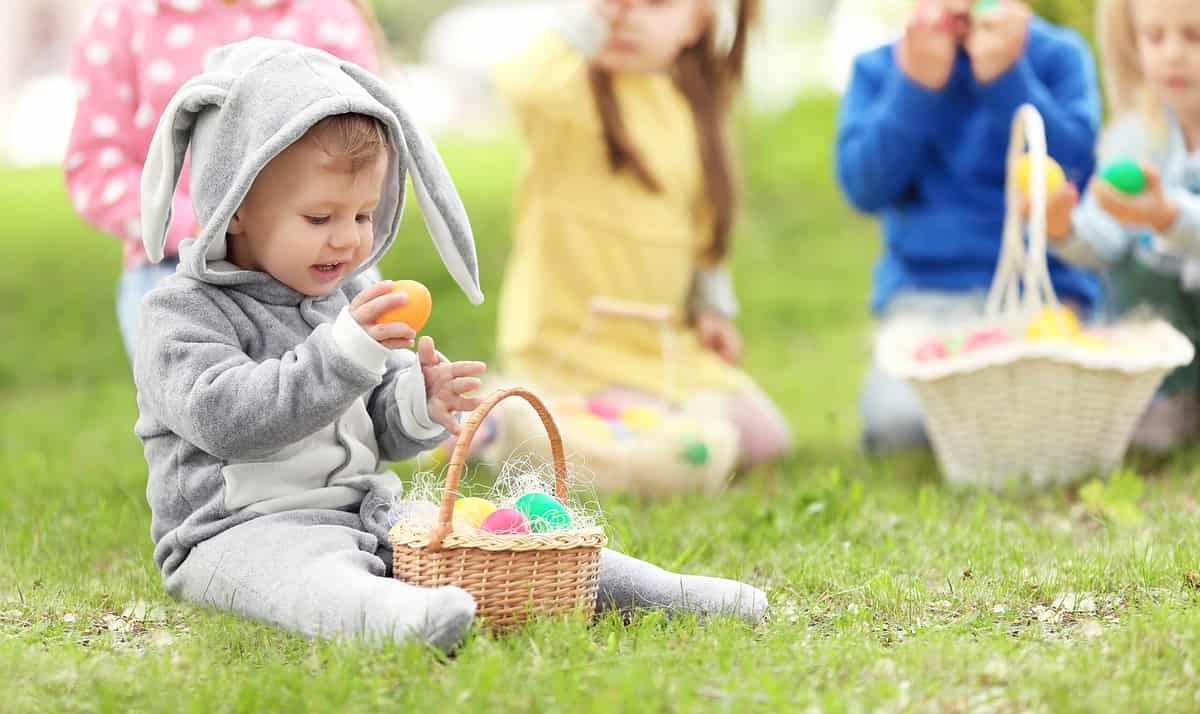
(627, 584)
(320, 574)
(891, 413)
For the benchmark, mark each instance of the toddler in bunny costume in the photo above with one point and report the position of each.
(268, 396)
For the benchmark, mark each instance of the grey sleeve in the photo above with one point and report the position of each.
(191, 371)
(1097, 240)
(1183, 238)
(712, 291)
(399, 409)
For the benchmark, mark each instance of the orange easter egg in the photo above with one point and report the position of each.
(416, 312)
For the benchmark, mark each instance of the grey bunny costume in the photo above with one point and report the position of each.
(265, 414)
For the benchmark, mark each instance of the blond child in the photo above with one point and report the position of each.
(1148, 243)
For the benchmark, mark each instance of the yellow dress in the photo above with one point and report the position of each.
(583, 231)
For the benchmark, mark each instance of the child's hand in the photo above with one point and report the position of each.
(926, 52)
(718, 334)
(1152, 207)
(446, 383)
(997, 39)
(1058, 212)
(370, 304)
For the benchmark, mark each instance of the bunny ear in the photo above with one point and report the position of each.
(164, 162)
(443, 210)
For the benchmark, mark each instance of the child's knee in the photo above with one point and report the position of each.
(763, 431)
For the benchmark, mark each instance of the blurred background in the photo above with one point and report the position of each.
(442, 50)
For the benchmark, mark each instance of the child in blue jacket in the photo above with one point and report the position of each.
(922, 141)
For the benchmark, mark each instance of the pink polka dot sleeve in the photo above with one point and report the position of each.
(106, 148)
(341, 31)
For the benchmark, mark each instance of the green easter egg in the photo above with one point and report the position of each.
(1126, 176)
(694, 452)
(544, 512)
(985, 6)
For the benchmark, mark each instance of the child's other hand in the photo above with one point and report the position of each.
(1059, 209)
(718, 334)
(447, 383)
(370, 304)
(926, 52)
(997, 39)
(1152, 207)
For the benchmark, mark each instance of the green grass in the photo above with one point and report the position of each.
(890, 592)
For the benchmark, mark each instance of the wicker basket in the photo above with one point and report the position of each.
(1046, 410)
(511, 577)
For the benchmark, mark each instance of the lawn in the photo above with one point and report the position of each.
(889, 591)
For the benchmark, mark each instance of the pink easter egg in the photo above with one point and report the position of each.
(986, 338)
(603, 409)
(506, 521)
(932, 350)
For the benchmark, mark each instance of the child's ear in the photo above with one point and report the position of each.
(235, 224)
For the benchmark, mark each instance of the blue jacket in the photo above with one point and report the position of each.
(932, 164)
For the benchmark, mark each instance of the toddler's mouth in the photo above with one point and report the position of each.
(327, 271)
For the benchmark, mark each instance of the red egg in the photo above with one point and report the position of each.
(506, 521)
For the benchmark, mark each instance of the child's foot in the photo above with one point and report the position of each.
(1169, 423)
(628, 583)
(439, 616)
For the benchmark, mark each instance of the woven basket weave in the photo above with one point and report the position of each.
(1047, 410)
(511, 577)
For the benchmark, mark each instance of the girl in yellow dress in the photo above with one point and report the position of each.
(616, 286)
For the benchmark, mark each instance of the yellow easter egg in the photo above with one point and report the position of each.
(1053, 323)
(1089, 341)
(1055, 177)
(472, 511)
(641, 418)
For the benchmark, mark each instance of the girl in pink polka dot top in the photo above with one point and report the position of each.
(127, 63)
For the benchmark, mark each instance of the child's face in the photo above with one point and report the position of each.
(1168, 38)
(953, 15)
(651, 34)
(307, 220)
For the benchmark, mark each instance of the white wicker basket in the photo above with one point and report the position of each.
(1048, 411)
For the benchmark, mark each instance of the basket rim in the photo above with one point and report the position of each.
(418, 537)
(1178, 351)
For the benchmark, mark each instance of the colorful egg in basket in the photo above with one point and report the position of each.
(513, 574)
(1053, 402)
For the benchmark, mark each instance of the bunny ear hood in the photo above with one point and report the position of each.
(256, 98)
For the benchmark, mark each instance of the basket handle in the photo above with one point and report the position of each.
(1022, 281)
(458, 458)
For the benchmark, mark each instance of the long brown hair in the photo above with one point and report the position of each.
(709, 82)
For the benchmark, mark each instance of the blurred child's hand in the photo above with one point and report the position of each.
(1058, 213)
(1152, 207)
(718, 334)
(370, 304)
(447, 383)
(997, 39)
(926, 52)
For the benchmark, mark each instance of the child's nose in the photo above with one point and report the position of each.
(344, 235)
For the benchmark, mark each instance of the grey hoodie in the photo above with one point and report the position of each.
(254, 398)
(1099, 240)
